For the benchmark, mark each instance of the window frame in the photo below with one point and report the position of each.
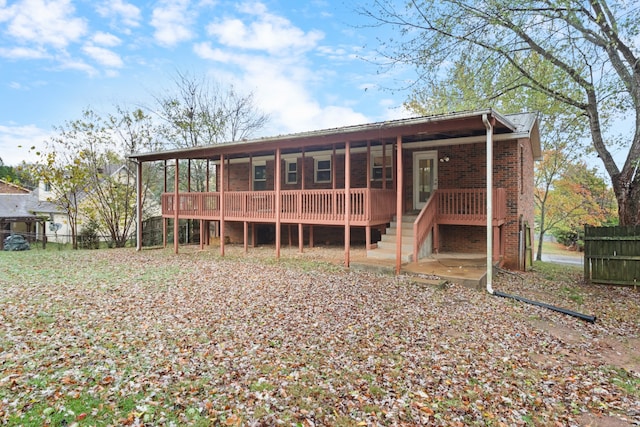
(316, 170)
(287, 163)
(388, 166)
(253, 176)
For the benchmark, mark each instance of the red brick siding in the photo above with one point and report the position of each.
(323, 235)
(466, 168)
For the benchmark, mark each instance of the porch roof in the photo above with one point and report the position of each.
(444, 126)
(23, 208)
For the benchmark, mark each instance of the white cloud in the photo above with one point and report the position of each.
(44, 22)
(172, 21)
(103, 56)
(23, 53)
(119, 9)
(106, 39)
(16, 141)
(268, 32)
(78, 65)
(269, 56)
(281, 87)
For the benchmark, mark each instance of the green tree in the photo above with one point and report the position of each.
(579, 196)
(106, 141)
(64, 170)
(7, 173)
(581, 54)
(89, 175)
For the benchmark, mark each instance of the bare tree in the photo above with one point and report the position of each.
(200, 112)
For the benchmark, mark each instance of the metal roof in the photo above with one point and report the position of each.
(450, 123)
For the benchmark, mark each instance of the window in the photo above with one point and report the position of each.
(322, 169)
(259, 177)
(378, 163)
(47, 186)
(291, 169)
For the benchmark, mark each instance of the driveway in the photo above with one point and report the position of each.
(563, 259)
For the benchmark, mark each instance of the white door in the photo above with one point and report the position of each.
(425, 177)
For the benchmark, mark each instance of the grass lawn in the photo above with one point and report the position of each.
(554, 248)
(119, 337)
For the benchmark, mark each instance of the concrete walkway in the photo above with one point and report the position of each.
(465, 269)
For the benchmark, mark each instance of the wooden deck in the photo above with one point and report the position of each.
(321, 207)
(327, 207)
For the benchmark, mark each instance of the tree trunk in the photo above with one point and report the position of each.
(541, 236)
(628, 197)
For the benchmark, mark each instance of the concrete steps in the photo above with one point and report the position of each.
(386, 249)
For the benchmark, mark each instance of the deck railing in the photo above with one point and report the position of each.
(311, 206)
(424, 224)
(469, 206)
(456, 207)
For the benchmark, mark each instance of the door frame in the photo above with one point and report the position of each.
(417, 156)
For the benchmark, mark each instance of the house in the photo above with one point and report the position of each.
(405, 188)
(23, 212)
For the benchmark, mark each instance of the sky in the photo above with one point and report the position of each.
(309, 64)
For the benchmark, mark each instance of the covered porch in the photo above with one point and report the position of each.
(369, 177)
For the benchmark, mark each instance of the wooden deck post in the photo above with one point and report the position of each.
(165, 229)
(221, 182)
(347, 202)
(176, 207)
(399, 187)
(189, 176)
(384, 165)
(206, 187)
(300, 238)
(201, 234)
(246, 237)
(278, 202)
(369, 207)
(138, 205)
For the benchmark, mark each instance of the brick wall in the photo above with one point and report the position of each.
(466, 168)
(323, 235)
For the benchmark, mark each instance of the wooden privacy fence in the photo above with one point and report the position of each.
(612, 255)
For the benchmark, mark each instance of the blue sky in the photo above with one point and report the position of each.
(306, 62)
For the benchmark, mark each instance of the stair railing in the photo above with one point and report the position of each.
(423, 224)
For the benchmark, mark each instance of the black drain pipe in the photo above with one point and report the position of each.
(586, 317)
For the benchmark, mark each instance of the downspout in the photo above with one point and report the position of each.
(489, 127)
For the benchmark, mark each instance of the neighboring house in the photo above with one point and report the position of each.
(423, 178)
(23, 212)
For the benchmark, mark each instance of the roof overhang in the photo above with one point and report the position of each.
(445, 126)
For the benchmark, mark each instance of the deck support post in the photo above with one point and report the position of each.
(246, 237)
(165, 228)
(221, 182)
(278, 195)
(300, 238)
(399, 187)
(202, 234)
(176, 207)
(367, 230)
(138, 206)
(311, 235)
(347, 203)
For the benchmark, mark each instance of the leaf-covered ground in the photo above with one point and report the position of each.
(118, 337)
